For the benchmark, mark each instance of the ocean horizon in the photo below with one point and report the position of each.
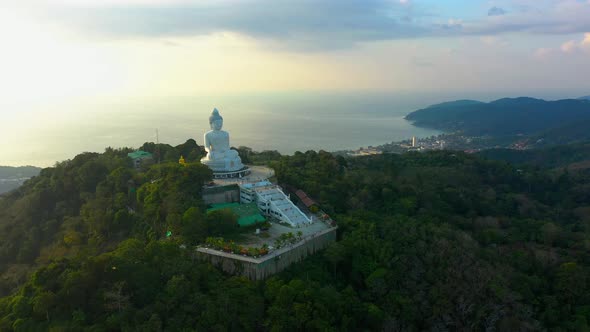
(286, 122)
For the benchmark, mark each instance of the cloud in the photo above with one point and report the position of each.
(452, 25)
(418, 62)
(309, 24)
(573, 46)
(493, 41)
(585, 43)
(549, 17)
(543, 52)
(300, 24)
(496, 11)
(569, 46)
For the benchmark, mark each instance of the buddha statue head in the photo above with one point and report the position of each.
(215, 120)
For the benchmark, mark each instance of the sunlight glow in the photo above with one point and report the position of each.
(38, 63)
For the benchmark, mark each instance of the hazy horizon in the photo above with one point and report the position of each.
(67, 66)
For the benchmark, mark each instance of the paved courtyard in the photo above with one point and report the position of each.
(275, 231)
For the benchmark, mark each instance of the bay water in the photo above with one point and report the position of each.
(286, 122)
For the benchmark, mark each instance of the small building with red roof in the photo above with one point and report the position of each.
(306, 200)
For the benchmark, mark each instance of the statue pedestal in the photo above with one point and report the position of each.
(244, 171)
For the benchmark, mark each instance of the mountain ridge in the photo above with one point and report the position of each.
(13, 177)
(505, 116)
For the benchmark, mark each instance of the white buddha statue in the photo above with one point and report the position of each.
(220, 158)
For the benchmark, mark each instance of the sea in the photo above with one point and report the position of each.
(287, 122)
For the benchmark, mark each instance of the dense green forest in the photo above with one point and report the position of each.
(570, 156)
(550, 120)
(427, 241)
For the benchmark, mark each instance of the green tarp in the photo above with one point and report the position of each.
(139, 154)
(248, 214)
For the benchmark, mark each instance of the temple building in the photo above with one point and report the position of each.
(248, 193)
(253, 184)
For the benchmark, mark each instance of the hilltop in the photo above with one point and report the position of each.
(434, 240)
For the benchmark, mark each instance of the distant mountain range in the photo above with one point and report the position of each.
(13, 177)
(566, 119)
(585, 97)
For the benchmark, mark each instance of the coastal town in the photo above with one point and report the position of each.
(451, 141)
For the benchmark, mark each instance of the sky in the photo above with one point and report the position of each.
(69, 49)
(65, 62)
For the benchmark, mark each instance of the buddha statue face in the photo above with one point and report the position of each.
(216, 124)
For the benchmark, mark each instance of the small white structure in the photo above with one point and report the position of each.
(273, 202)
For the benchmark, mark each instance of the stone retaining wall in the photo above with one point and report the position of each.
(221, 194)
(275, 262)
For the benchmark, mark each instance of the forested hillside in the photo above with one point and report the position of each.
(80, 205)
(507, 116)
(571, 155)
(432, 241)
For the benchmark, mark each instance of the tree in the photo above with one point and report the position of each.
(43, 303)
(195, 227)
(115, 299)
(222, 222)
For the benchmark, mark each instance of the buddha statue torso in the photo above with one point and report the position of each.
(220, 157)
(216, 142)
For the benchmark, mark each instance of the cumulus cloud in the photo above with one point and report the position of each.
(573, 46)
(586, 42)
(569, 46)
(496, 11)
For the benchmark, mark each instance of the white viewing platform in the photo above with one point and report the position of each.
(253, 175)
(270, 198)
(273, 202)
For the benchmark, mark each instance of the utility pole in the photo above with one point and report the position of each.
(158, 145)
